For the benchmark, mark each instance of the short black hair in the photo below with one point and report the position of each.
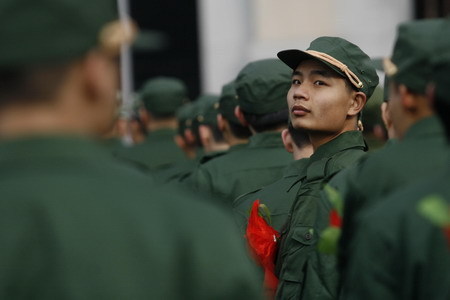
(239, 131)
(28, 85)
(299, 136)
(267, 122)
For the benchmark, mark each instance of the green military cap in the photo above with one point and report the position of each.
(228, 102)
(36, 32)
(344, 57)
(262, 86)
(441, 65)
(162, 96)
(184, 115)
(410, 63)
(206, 110)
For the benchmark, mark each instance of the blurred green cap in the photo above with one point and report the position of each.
(206, 110)
(414, 48)
(228, 101)
(185, 115)
(162, 96)
(344, 57)
(50, 31)
(262, 86)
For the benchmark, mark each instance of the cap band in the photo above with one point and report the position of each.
(116, 33)
(333, 61)
(389, 67)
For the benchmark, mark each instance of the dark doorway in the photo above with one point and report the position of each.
(170, 42)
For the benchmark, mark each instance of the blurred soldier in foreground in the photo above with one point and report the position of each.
(403, 240)
(74, 223)
(419, 150)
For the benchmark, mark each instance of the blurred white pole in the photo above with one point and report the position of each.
(126, 65)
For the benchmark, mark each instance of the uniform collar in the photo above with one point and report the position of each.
(51, 146)
(296, 167)
(344, 141)
(425, 128)
(266, 140)
(161, 132)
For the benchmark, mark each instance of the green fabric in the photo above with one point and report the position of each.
(228, 102)
(241, 170)
(162, 96)
(37, 32)
(262, 86)
(75, 224)
(342, 50)
(421, 153)
(303, 271)
(402, 254)
(157, 151)
(278, 197)
(414, 49)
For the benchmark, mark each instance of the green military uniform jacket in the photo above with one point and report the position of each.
(278, 197)
(156, 152)
(421, 152)
(76, 224)
(303, 272)
(403, 244)
(239, 171)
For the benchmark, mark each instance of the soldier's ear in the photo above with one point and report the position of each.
(240, 115)
(357, 103)
(287, 141)
(220, 122)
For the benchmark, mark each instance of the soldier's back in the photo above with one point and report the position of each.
(77, 224)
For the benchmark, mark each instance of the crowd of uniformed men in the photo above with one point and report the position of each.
(267, 190)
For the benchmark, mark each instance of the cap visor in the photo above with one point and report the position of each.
(294, 57)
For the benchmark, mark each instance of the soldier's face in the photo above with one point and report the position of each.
(318, 99)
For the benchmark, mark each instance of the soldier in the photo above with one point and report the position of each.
(278, 196)
(75, 223)
(420, 147)
(331, 82)
(261, 87)
(233, 131)
(403, 240)
(161, 97)
(206, 128)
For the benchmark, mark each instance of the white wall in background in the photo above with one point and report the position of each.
(234, 32)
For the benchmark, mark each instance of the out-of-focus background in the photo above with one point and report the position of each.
(206, 42)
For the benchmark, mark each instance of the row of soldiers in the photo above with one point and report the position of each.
(280, 153)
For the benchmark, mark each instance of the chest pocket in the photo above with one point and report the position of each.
(302, 242)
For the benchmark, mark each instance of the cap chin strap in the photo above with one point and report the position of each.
(331, 60)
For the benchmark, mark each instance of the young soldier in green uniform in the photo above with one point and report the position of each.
(209, 135)
(331, 82)
(261, 87)
(403, 240)
(420, 147)
(233, 131)
(278, 196)
(161, 97)
(75, 223)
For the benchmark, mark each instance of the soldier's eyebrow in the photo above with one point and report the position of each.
(297, 73)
